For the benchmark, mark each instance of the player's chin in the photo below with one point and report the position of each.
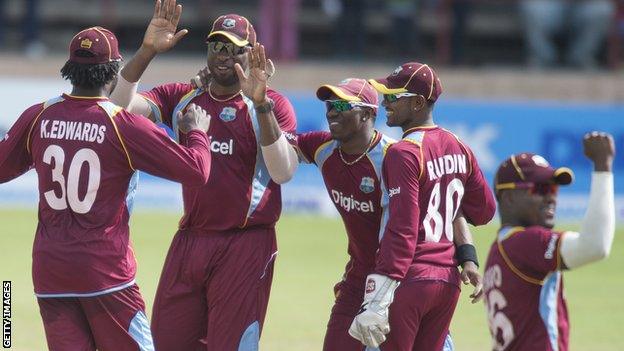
(225, 79)
(548, 221)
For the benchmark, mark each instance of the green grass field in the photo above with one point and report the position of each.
(312, 255)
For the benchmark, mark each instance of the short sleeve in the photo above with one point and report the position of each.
(163, 100)
(308, 144)
(534, 252)
(285, 116)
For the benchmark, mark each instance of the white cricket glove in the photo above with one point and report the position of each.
(371, 324)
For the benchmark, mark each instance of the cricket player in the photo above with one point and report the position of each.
(350, 159)
(525, 302)
(428, 177)
(214, 288)
(85, 150)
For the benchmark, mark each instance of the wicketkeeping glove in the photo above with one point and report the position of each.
(371, 324)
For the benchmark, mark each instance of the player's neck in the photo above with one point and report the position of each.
(218, 89)
(359, 143)
(418, 122)
(88, 92)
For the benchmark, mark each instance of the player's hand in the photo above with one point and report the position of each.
(254, 85)
(470, 275)
(202, 79)
(371, 324)
(195, 118)
(600, 149)
(161, 34)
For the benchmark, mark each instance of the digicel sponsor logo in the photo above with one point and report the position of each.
(222, 147)
(348, 203)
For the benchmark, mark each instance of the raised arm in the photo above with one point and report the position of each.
(160, 36)
(280, 157)
(594, 241)
(152, 150)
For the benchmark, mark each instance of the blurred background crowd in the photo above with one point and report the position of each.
(541, 34)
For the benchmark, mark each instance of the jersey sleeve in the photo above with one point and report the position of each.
(163, 100)
(534, 252)
(308, 144)
(150, 149)
(478, 204)
(400, 171)
(15, 157)
(285, 116)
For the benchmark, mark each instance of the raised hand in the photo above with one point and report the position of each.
(195, 118)
(600, 149)
(161, 34)
(470, 275)
(254, 85)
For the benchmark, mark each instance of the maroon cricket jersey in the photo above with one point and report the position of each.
(239, 192)
(355, 190)
(85, 152)
(428, 176)
(523, 288)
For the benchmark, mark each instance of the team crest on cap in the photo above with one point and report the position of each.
(540, 161)
(86, 43)
(397, 71)
(228, 114)
(229, 23)
(367, 185)
(346, 81)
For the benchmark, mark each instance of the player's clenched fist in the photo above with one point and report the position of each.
(371, 324)
(195, 118)
(600, 149)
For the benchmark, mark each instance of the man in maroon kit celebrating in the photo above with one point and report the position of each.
(350, 158)
(214, 289)
(524, 299)
(85, 150)
(428, 178)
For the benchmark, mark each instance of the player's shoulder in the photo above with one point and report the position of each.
(175, 89)
(314, 137)
(533, 233)
(276, 95)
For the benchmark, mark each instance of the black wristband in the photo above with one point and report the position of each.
(465, 253)
(265, 107)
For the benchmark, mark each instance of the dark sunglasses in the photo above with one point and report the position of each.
(343, 105)
(216, 47)
(533, 188)
(395, 97)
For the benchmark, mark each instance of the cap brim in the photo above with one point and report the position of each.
(563, 176)
(325, 91)
(231, 37)
(381, 85)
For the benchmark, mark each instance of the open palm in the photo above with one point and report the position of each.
(254, 85)
(161, 35)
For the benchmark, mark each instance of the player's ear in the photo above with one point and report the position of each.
(418, 103)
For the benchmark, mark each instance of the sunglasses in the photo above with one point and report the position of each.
(343, 105)
(216, 47)
(533, 188)
(395, 97)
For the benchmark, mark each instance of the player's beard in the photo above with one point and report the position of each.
(226, 80)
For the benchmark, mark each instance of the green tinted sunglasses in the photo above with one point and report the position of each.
(343, 105)
(395, 97)
(215, 47)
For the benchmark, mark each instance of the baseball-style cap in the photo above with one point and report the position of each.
(350, 89)
(100, 42)
(529, 168)
(235, 28)
(411, 77)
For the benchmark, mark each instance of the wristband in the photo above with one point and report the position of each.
(465, 253)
